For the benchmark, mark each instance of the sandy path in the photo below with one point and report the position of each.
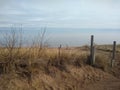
(112, 84)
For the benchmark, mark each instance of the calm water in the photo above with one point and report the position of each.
(68, 36)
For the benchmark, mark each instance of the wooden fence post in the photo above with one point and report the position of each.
(59, 51)
(92, 51)
(93, 55)
(113, 53)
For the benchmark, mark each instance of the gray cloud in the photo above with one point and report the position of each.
(61, 13)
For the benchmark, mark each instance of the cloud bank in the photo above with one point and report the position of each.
(61, 13)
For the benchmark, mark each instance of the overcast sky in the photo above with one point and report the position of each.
(61, 13)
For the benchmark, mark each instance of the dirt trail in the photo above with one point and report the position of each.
(112, 84)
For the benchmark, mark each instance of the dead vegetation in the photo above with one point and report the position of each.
(40, 68)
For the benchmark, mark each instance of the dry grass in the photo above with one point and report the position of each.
(49, 71)
(41, 68)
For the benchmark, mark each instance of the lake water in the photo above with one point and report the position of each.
(68, 36)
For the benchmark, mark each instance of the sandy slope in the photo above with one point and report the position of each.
(78, 78)
(110, 84)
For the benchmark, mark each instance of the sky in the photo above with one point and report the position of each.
(68, 22)
(60, 13)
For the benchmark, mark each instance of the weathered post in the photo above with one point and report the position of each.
(59, 54)
(93, 55)
(59, 51)
(113, 53)
(92, 51)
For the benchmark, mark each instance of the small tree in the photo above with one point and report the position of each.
(11, 42)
